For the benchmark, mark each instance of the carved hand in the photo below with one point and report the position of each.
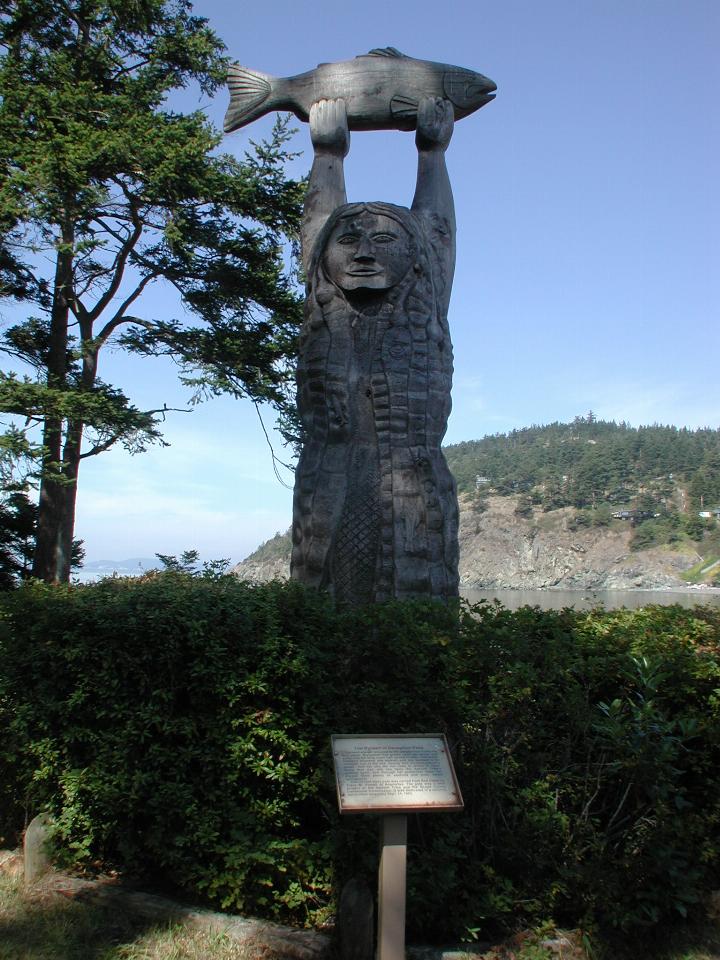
(329, 128)
(435, 122)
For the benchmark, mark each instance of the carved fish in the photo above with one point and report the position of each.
(381, 90)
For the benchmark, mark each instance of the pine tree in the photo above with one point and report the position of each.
(104, 190)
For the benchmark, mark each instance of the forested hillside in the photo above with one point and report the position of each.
(579, 504)
(590, 461)
(663, 478)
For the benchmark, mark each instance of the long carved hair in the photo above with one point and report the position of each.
(412, 304)
(393, 478)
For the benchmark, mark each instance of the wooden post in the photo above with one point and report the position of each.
(394, 774)
(391, 890)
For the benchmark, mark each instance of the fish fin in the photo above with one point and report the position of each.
(384, 52)
(403, 107)
(249, 90)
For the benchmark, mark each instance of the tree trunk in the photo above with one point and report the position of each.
(58, 485)
(56, 516)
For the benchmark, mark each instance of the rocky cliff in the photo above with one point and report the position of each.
(500, 549)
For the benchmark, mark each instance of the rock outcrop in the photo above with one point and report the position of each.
(271, 561)
(501, 550)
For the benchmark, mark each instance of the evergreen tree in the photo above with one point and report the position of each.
(18, 529)
(103, 191)
(590, 461)
(18, 520)
(705, 485)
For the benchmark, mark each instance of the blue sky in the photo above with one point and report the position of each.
(588, 273)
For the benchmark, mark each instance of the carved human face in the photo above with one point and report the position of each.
(368, 252)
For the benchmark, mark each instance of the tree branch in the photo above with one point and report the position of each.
(120, 261)
(133, 66)
(106, 444)
(119, 317)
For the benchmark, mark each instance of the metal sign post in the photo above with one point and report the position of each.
(394, 775)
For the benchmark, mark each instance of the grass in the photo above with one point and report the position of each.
(38, 926)
(35, 925)
(704, 571)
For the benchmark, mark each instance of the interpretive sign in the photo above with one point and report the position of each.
(395, 774)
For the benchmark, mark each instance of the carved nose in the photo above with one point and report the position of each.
(364, 250)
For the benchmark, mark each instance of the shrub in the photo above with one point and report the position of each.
(179, 726)
(696, 527)
(651, 533)
(524, 506)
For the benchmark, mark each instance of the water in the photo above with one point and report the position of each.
(511, 599)
(587, 599)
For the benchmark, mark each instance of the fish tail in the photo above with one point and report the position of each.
(249, 93)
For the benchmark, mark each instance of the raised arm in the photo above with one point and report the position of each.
(326, 188)
(433, 194)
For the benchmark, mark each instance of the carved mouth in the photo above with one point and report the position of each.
(367, 272)
(482, 92)
(485, 86)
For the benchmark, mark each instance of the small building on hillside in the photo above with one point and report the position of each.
(635, 515)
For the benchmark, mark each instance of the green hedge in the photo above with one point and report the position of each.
(178, 727)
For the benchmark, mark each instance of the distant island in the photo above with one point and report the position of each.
(590, 504)
(97, 569)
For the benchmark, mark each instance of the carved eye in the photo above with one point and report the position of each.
(347, 239)
(384, 237)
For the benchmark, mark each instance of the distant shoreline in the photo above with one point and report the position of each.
(616, 598)
(690, 588)
(91, 576)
